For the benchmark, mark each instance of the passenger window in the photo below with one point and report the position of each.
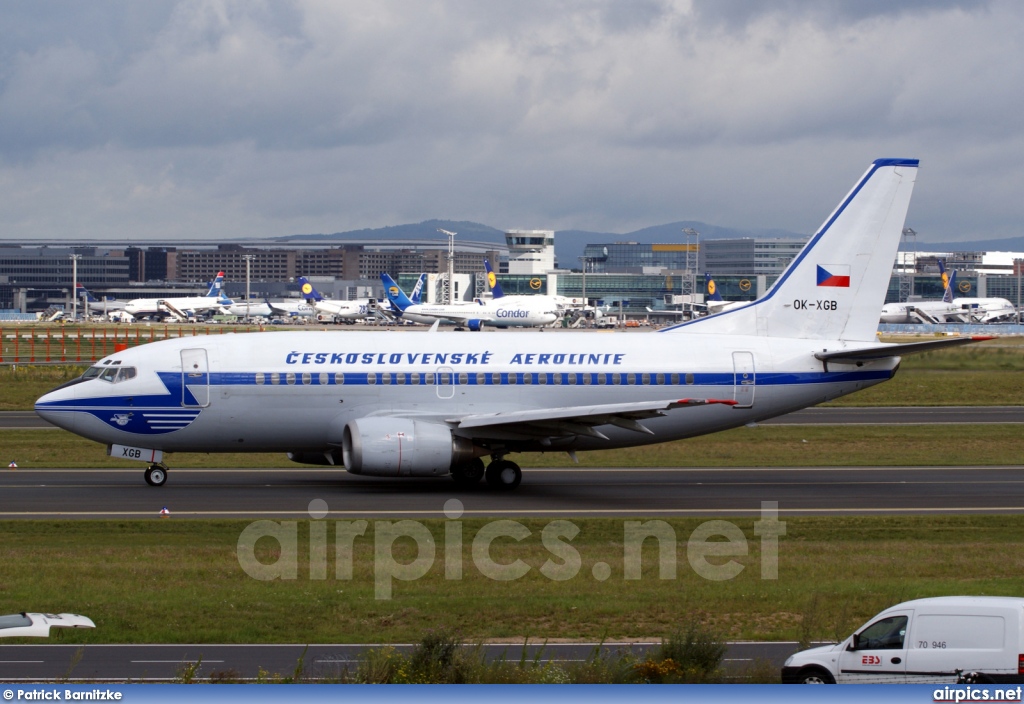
(659, 379)
(428, 378)
(645, 379)
(675, 379)
(571, 378)
(887, 634)
(542, 379)
(260, 378)
(463, 378)
(602, 379)
(324, 378)
(400, 378)
(371, 378)
(481, 378)
(689, 378)
(556, 378)
(496, 378)
(307, 378)
(289, 378)
(527, 378)
(512, 378)
(339, 378)
(275, 378)
(586, 379)
(414, 378)
(385, 377)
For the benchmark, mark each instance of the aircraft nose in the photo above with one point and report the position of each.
(49, 407)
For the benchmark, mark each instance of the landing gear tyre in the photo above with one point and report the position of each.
(469, 473)
(156, 475)
(504, 475)
(814, 675)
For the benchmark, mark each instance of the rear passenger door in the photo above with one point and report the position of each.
(878, 652)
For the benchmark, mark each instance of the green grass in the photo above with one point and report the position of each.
(764, 446)
(180, 581)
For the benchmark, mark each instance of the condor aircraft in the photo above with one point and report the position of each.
(505, 312)
(431, 404)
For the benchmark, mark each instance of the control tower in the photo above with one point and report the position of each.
(530, 251)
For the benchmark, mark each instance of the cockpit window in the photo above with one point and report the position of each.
(92, 372)
(116, 374)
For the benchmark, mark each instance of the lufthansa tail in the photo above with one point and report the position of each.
(947, 295)
(835, 288)
(712, 289)
(308, 292)
(492, 281)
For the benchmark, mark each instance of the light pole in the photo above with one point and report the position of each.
(248, 271)
(74, 285)
(451, 265)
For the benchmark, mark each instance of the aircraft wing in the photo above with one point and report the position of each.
(579, 420)
(898, 350)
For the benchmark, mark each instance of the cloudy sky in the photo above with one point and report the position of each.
(221, 119)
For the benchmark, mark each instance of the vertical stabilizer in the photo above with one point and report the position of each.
(216, 285)
(492, 281)
(712, 289)
(309, 292)
(835, 288)
(396, 296)
(947, 295)
(417, 290)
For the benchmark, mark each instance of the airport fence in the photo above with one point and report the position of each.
(951, 329)
(47, 345)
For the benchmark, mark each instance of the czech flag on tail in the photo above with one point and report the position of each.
(836, 275)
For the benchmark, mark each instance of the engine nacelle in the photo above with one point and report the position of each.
(475, 325)
(399, 447)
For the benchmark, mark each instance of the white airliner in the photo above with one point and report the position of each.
(943, 311)
(430, 404)
(506, 312)
(352, 311)
(182, 307)
(95, 305)
(951, 309)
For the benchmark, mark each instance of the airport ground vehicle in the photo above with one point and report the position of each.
(39, 625)
(935, 640)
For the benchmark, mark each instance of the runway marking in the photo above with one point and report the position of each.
(553, 470)
(578, 511)
(169, 662)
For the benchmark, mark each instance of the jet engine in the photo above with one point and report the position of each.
(475, 325)
(399, 447)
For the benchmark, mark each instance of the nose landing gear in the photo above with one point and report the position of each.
(156, 475)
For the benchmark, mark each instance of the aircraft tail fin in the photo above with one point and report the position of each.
(712, 289)
(417, 290)
(834, 289)
(396, 296)
(492, 281)
(216, 285)
(81, 290)
(308, 291)
(947, 295)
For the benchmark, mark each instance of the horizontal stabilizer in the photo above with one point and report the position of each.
(887, 351)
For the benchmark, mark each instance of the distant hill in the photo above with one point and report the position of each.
(569, 244)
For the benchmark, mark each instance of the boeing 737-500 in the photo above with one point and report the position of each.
(432, 404)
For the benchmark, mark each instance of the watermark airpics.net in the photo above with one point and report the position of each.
(710, 548)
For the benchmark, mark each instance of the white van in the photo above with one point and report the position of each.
(924, 641)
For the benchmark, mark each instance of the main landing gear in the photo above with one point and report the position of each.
(156, 475)
(501, 474)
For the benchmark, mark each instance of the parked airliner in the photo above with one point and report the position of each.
(943, 311)
(506, 312)
(424, 404)
(182, 307)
